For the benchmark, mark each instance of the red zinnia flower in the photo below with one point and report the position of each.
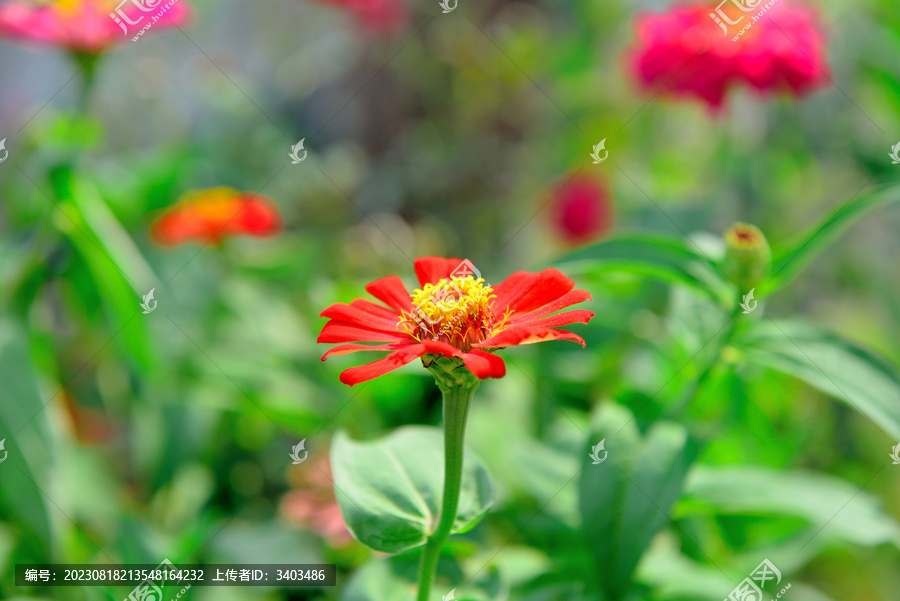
(208, 216)
(453, 315)
(784, 49)
(581, 210)
(85, 25)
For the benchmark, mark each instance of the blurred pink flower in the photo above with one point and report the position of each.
(312, 504)
(581, 210)
(784, 50)
(381, 17)
(87, 25)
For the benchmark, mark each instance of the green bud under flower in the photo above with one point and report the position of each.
(450, 373)
(748, 258)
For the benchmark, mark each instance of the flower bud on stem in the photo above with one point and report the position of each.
(748, 259)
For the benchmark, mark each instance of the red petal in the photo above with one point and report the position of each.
(392, 292)
(527, 335)
(562, 319)
(430, 270)
(395, 360)
(377, 310)
(526, 292)
(344, 349)
(257, 217)
(484, 365)
(342, 331)
(438, 347)
(566, 300)
(363, 315)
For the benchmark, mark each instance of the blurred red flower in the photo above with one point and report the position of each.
(581, 209)
(453, 315)
(86, 25)
(209, 216)
(784, 50)
(381, 17)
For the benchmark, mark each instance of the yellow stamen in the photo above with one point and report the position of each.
(455, 310)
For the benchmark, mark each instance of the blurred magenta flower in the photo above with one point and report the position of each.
(581, 210)
(209, 216)
(454, 317)
(381, 17)
(86, 25)
(784, 50)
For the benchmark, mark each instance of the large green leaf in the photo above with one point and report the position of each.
(653, 255)
(115, 264)
(789, 261)
(831, 364)
(396, 579)
(674, 577)
(626, 499)
(390, 489)
(23, 427)
(840, 509)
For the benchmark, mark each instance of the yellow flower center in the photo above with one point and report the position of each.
(456, 310)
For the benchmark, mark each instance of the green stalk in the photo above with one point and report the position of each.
(724, 341)
(87, 64)
(457, 386)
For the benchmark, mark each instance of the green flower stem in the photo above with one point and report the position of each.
(457, 386)
(694, 388)
(87, 67)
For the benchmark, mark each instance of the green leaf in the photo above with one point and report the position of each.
(789, 261)
(626, 499)
(653, 255)
(111, 257)
(389, 490)
(396, 578)
(23, 426)
(831, 364)
(839, 508)
(675, 577)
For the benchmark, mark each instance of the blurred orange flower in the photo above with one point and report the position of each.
(87, 25)
(209, 216)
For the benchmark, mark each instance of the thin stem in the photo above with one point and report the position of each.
(87, 64)
(724, 340)
(456, 412)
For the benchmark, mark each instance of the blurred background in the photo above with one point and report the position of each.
(133, 437)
